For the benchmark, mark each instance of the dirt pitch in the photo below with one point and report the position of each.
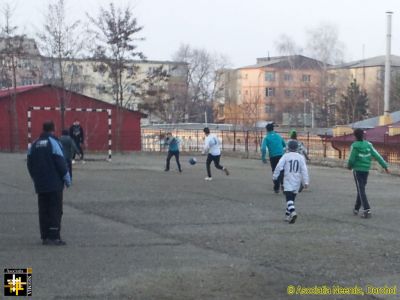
(137, 232)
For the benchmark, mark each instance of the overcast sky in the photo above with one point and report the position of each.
(241, 29)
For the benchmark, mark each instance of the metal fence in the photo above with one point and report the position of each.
(249, 142)
(246, 141)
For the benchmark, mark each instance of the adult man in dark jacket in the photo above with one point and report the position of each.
(76, 133)
(69, 149)
(48, 169)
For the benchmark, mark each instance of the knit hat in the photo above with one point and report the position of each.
(292, 146)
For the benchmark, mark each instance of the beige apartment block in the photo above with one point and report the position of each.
(281, 89)
(370, 75)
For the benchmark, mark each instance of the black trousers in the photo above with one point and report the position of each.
(215, 159)
(50, 213)
(69, 165)
(274, 162)
(361, 179)
(79, 146)
(169, 156)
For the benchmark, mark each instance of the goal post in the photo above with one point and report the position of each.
(48, 108)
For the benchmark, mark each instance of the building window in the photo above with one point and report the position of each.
(269, 108)
(289, 93)
(306, 78)
(269, 76)
(270, 92)
(287, 77)
(306, 94)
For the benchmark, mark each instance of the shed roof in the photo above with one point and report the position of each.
(5, 93)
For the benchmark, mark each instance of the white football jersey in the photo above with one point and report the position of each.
(212, 145)
(295, 171)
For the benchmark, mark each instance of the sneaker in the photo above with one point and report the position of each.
(366, 214)
(73, 161)
(226, 171)
(355, 212)
(276, 191)
(166, 170)
(57, 242)
(83, 162)
(208, 178)
(292, 217)
(287, 218)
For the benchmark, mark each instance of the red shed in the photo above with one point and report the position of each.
(94, 116)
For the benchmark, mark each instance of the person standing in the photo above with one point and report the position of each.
(296, 175)
(48, 170)
(275, 145)
(69, 149)
(213, 150)
(76, 133)
(173, 150)
(360, 162)
(301, 149)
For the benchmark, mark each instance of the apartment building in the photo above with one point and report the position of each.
(370, 75)
(90, 77)
(281, 89)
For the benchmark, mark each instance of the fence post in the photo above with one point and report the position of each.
(308, 142)
(234, 140)
(246, 143)
(325, 141)
(197, 140)
(222, 140)
(160, 141)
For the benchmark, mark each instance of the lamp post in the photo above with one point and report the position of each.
(312, 113)
(304, 114)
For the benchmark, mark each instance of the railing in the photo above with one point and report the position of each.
(249, 142)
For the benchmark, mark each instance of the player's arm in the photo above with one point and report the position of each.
(352, 158)
(379, 158)
(304, 172)
(279, 167)
(59, 162)
(264, 149)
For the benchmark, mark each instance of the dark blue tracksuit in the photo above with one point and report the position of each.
(48, 169)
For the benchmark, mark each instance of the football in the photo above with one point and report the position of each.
(192, 161)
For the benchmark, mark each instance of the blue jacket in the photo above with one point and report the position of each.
(47, 166)
(173, 144)
(274, 144)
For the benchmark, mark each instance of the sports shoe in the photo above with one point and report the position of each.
(208, 178)
(73, 161)
(366, 214)
(292, 217)
(226, 171)
(166, 170)
(287, 218)
(57, 242)
(355, 212)
(276, 191)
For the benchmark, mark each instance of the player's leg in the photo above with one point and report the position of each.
(176, 154)
(43, 199)
(208, 164)
(290, 198)
(362, 178)
(274, 162)
(55, 215)
(169, 155)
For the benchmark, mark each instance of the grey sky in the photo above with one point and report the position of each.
(242, 29)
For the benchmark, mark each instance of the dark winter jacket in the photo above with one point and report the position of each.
(47, 166)
(76, 133)
(68, 146)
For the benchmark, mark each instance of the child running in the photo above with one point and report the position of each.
(296, 174)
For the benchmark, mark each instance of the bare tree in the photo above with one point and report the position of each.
(61, 42)
(323, 45)
(115, 35)
(11, 51)
(202, 80)
(285, 45)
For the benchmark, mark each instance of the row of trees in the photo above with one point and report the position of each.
(111, 39)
